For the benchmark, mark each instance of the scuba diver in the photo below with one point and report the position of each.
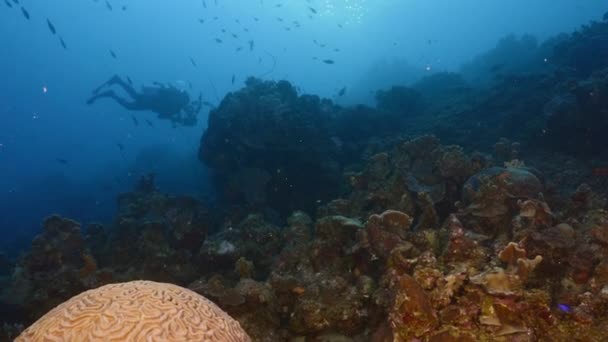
(167, 101)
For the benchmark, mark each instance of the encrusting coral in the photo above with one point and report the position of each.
(136, 311)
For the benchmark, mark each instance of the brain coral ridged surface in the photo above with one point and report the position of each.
(136, 311)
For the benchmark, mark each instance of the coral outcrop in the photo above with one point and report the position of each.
(266, 143)
(136, 311)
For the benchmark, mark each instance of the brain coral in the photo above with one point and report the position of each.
(136, 311)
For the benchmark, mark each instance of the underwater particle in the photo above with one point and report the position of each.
(428, 68)
(35, 116)
(45, 89)
(546, 60)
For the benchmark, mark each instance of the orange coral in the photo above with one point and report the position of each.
(136, 311)
(511, 253)
(515, 257)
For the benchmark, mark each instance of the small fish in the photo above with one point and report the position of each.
(26, 14)
(217, 40)
(251, 45)
(124, 8)
(256, 18)
(328, 61)
(340, 26)
(121, 147)
(62, 42)
(336, 50)
(201, 20)
(193, 62)
(8, 4)
(235, 36)
(233, 78)
(280, 19)
(113, 54)
(204, 4)
(108, 6)
(129, 80)
(135, 122)
(312, 10)
(62, 161)
(51, 26)
(149, 123)
(342, 92)
(565, 308)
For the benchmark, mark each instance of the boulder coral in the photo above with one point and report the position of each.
(136, 311)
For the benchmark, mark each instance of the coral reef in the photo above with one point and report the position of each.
(429, 243)
(347, 224)
(265, 144)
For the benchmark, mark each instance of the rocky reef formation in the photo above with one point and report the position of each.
(269, 146)
(429, 243)
(154, 237)
(556, 103)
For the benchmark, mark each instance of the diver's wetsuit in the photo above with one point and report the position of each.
(167, 102)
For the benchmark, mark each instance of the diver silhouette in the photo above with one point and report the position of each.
(167, 101)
